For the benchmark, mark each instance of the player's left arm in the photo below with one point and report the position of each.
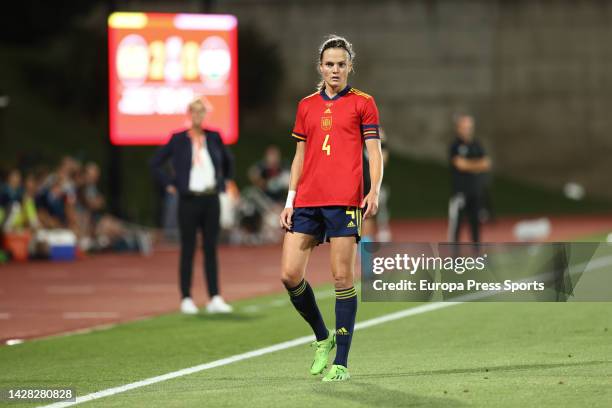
(371, 136)
(375, 163)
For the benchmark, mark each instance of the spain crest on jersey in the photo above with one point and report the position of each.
(326, 123)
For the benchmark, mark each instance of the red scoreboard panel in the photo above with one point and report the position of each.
(159, 63)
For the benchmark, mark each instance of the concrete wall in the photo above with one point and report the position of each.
(537, 74)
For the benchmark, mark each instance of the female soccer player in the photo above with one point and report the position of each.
(325, 200)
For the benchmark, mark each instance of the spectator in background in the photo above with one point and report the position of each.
(201, 165)
(271, 175)
(101, 230)
(18, 215)
(57, 199)
(67, 201)
(12, 190)
(28, 202)
(10, 199)
(55, 206)
(260, 203)
(90, 194)
(66, 172)
(69, 169)
(469, 165)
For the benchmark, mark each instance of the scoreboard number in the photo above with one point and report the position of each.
(159, 63)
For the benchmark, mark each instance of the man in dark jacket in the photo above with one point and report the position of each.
(469, 164)
(201, 165)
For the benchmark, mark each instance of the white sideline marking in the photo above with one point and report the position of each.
(5, 316)
(430, 307)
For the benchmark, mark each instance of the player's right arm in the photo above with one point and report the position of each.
(157, 162)
(296, 172)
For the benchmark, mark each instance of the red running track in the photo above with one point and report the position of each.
(39, 299)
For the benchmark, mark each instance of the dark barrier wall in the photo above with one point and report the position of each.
(537, 74)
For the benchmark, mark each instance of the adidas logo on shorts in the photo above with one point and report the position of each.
(351, 224)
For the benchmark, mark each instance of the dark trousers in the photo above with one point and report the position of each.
(198, 212)
(464, 205)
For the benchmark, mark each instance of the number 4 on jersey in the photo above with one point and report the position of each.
(326, 147)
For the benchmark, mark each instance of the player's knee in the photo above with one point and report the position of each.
(291, 278)
(343, 280)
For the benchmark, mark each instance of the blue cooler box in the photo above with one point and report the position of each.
(62, 243)
(62, 252)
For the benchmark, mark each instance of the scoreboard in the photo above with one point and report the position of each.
(159, 63)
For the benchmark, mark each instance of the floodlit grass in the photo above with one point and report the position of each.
(487, 354)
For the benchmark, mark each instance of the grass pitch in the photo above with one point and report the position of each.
(478, 354)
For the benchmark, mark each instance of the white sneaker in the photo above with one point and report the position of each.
(218, 305)
(188, 307)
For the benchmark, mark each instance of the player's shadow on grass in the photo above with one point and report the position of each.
(474, 370)
(371, 395)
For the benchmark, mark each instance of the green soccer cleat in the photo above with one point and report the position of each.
(323, 348)
(337, 373)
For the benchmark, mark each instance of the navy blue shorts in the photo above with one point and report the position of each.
(328, 222)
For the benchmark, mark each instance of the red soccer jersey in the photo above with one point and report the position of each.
(334, 131)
